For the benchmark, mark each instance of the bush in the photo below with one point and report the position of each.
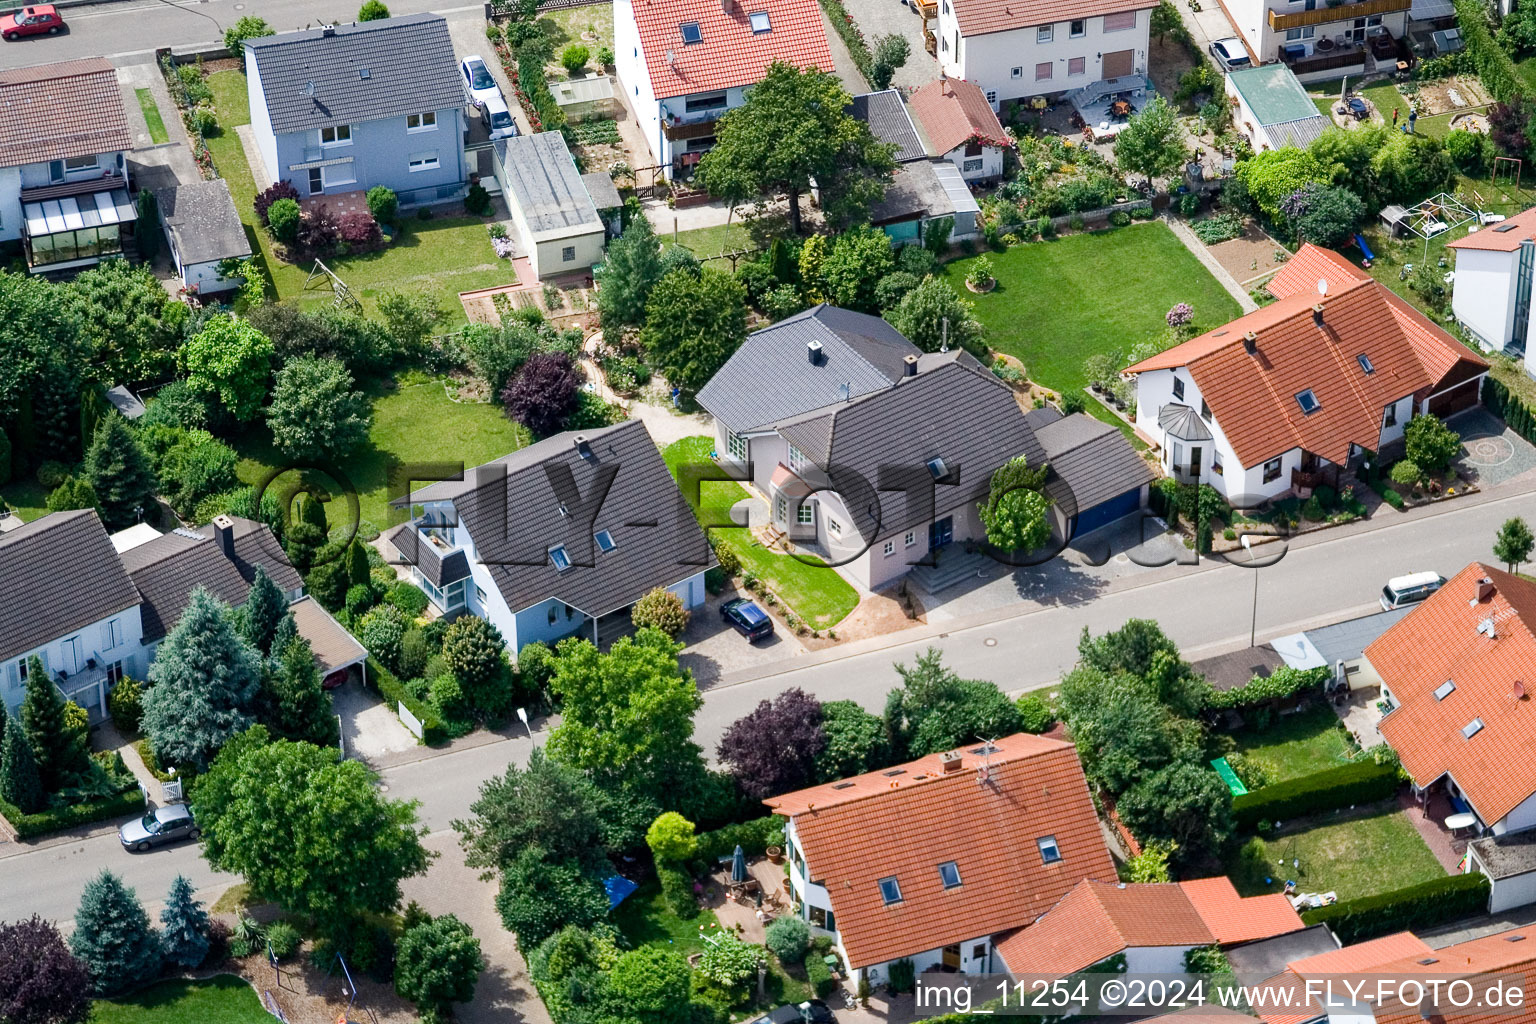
(202, 121)
(1360, 782)
(478, 201)
(1412, 908)
(372, 10)
(902, 976)
(574, 57)
(1073, 402)
(359, 229)
(677, 890)
(1119, 219)
(125, 702)
(1035, 713)
(819, 974)
(788, 938)
(284, 939)
(62, 816)
(1431, 443)
(264, 200)
(1312, 509)
(605, 56)
(392, 690)
(383, 204)
(1282, 684)
(283, 218)
(754, 837)
(408, 598)
(661, 609)
(1406, 473)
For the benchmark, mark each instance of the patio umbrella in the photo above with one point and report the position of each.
(738, 866)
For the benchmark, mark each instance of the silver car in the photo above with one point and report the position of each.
(478, 81)
(1230, 54)
(169, 824)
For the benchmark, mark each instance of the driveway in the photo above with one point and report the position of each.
(891, 17)
(713, 648)
(1491, 452)
(369, 727)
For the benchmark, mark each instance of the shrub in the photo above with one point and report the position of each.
(283, 217)
(1412, 908)
(661, 609)
(902, 976)
(125, 702)
(359, 229)
(677, 890)
(605, 56)
(284, 939)
(754, 837)
(202, 121)
(372, 10)
(1035, 713)
(478, 201)
(410, 599)
(383, 204)
(271, 194)
(62, 816)
(1431, 443)
(392, 690)
(574, 57)
(819, 974)
(1073, 402)
(1282, 684)
(317, 231)
(1360, 782)
(1312, 509)
(1189, 204)
(1406, 473)
(788, 938)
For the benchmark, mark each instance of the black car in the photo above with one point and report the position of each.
(748, 619)
(812, 1011)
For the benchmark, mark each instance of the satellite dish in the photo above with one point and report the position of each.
(309, 89)
(1322, 286)
(1519, 693)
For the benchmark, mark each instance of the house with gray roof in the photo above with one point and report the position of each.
(343, 108)
(922, 189)
(559, 228)
(203, 230)
(1096, 476)
(557, 539)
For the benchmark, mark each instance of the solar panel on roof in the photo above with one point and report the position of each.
(1506, 227)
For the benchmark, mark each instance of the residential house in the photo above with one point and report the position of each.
(921, 190)
(683, 63)
(1454, 673)
(1283, 397)
(1097, 478)
(1273, 109)
(873, 454)
(962, 128)
(1320, 40)
(927, 861)
(557, 539)
(204, 230)
(64, 185)
(1491, 293)
(1016, 50)
(558, 225)
(343, 108)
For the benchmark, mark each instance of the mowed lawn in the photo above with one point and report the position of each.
(152, 119)
(1296, 745)
(1057, 303)
(225, 999)
(412, 424)
(816, 593)
(1353, 857)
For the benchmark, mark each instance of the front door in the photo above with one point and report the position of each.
(1119, 64)
(940, 534)
(952, 957)
(1194, 462)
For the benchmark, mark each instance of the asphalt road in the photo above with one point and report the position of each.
(1205, 609)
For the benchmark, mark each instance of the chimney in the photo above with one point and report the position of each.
(951, 761)
(1485, 589)
(584, 447)
(1250, 343)
(327, 30)
(224, 532)
(813, 352)
(1317, 314)
(728, 6)
(909, 366)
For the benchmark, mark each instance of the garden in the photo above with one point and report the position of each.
(1289, 746)
(1352, 853)
(223, 999)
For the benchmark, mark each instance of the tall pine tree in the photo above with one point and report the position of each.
(206, 681)
(19, 783)
(299, 706)
(357, 564)
(58, 748)
(185, 939)
(265, 607)
(118, 471)
(113, 937)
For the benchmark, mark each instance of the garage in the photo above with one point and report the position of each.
(1509, 861)
(1107, 512)
(1096, 477)
(1455, 398)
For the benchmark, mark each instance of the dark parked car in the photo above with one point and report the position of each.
(812, 1011)
(168, 824)
(40, 20)
(748, 619)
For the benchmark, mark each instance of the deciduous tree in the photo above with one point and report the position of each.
(130, 321)
(653, 984)
(1513, 543)
(437, 964)
(539, 896)
(856, 741)
(1152, 143)
(315, 412)
(543, 394)
(1431, 443)
(231, 359)
(1017, 512)
(774, 748)
(934, 709)
(41, 981)
(933, 314)
(113, 937)
(693, 324)
(630, 271)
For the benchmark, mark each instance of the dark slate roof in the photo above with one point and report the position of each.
(886, 114)
(1095, 460)
(771, 378)
(255, 545)
(1183, 422)
(423, 555)
(202, 219)
(58, 573)
(1268, 957)
(957, 412)
(658, 540)
(409, 60)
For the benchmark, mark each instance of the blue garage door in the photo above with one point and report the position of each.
(1107, 512)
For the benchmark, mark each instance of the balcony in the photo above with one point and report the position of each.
(1280, 21)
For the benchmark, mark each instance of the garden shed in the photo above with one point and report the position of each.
(557, 221)
(203, 229)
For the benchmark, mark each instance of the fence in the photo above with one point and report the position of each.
(507, 8)
(410, 721)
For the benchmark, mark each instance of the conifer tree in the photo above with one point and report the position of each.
(185, 939)
(113, 937)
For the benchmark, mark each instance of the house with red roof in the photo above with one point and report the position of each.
(1281, 398)
(961, 127)
(1491, 293)
(683, 63)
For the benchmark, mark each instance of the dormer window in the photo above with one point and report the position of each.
(560, 558)
(1050, 853)
(1365, 363)
(890, 890)
(760, 23)
(604, 540)
(691, 33)
(1308, 402)
(949, 874)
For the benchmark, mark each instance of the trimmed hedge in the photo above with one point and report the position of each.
(1512, 409)
(391, 689)
(818, 973)
(1360, 782)
(53, 819)
(753, 836)
(1282, 684)
(1408, 909)
(1494, 65)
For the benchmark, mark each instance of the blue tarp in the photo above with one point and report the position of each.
(618, 888)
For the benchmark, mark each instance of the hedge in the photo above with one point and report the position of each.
(1494, 65)
(848, 30)
(53, 819)
(391, 689)
(1409, 909)
(1359, 782)
(1285, 682)
(1511, 408)
(754, 837)
(818, 973)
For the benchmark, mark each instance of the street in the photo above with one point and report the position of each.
(1205, 609)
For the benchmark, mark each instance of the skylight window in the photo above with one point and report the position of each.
(937, 468)
(1444, 690)
(1050, 853)
(364, 73)
(691, 33)
(760, 22)
(890, 890)
(1308, 402)
(558, 555)
(1365, 363)
(949, 874)
(1472, 728)
(604, 541)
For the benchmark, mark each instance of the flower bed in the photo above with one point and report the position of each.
(848, 30)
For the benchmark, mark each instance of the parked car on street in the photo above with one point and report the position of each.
(1411, 589)
(812, 1011)
(1230, 54)
(41, 20)
(478, 80)
(748, 619)
(169, 824)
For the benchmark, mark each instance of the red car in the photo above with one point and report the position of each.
(42, 20)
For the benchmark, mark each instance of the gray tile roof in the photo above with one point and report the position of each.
(546, 186)
(166, 571)
(771, 378)
(1346, 641)
(1238, 668)
(658, 541)
(914, 191)
(203, 222)
(58, 573)
(409, 61)
(1093, 458)
(957, 412)
(604, 193)
(886, 114)
(255, 545)
(438, 569)
(1183, 422)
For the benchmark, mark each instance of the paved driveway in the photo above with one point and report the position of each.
(894, 17)
(714, 648)
(1491, 452)
(369, 727)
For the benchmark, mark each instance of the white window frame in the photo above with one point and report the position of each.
(767, 22)
(732, 443)
(557, 555)
(834, 527)
(115, 674)
(1017, 72)
(341, 135)
(418, 162)
(805, 515)
(910, 538)
(480, 595)
(568, 254)
(1389, 416)
(1045, 33)
(426, 121)
(114, 633)
(1296, 35)
(890, 548)
(79, 163)
(781, 507)
(797, 459)
(348, 168)
(992, 97)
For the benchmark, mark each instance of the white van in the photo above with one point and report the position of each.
(1405, 590)
(497, 118)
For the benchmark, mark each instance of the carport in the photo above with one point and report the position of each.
(334, 648)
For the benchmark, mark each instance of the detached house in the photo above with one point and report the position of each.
(343, 108)
(1491, 296)
(1321, 41)
(962, 127)
(557, 539)
(64, 187)
(921, 190)
(683, 63)
(1284, 396)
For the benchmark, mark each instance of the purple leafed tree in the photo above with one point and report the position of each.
(773, 749)
(41, 982)
(543, 394)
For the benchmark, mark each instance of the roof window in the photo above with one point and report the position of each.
(937, 469)
(691, 33)
(760, 22)
(1308, 402)
(1050, 853)
(1445, 689)
(842, 785)
(1365, 363)
(604, 541)
(558, 555)
(1472, 728)
(364, 73)
(949, 874)
(891, 773)
(890, 890)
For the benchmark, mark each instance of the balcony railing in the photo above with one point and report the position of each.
(1280, 21)
(682, 117)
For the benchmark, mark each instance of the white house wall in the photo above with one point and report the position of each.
(205, 277)
(1003, 63)
(690, 591)
(548, 254)
(10, 203)
(634, 78)
(1484, 296)
(1251, 19)
(94, 643)
(1522, 817)
(991, 160)
(261, 122)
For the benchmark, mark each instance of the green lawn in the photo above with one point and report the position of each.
(152, 118)
(816, 593)
(414, 423)
(1526, 70)
(225, 999)
(568, 26)
(1297, 745)
(1355, 857)
(1384, 96)
(27, 497)
(1324, 105)
(707, 242)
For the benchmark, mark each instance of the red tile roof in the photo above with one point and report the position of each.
(728, 54)
(1099, 919)
(1302, 271)
(1491, 238)
(953, 111)
(1362, 956)
(1233, 918)
(1253, 398)
(979, 17)
(1439, 641)
(1512, 958)
(906, 821)
(56, 111)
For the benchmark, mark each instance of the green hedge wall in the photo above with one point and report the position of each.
(1494, 65)
(1410, 909)
(754, 837)
(53, 819)
(1360, 782)
(392, 689)
(1512, 409)
(1285, 682)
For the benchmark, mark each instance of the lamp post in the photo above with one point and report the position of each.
(1253, 623)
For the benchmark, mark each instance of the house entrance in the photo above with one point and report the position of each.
(939, 534)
